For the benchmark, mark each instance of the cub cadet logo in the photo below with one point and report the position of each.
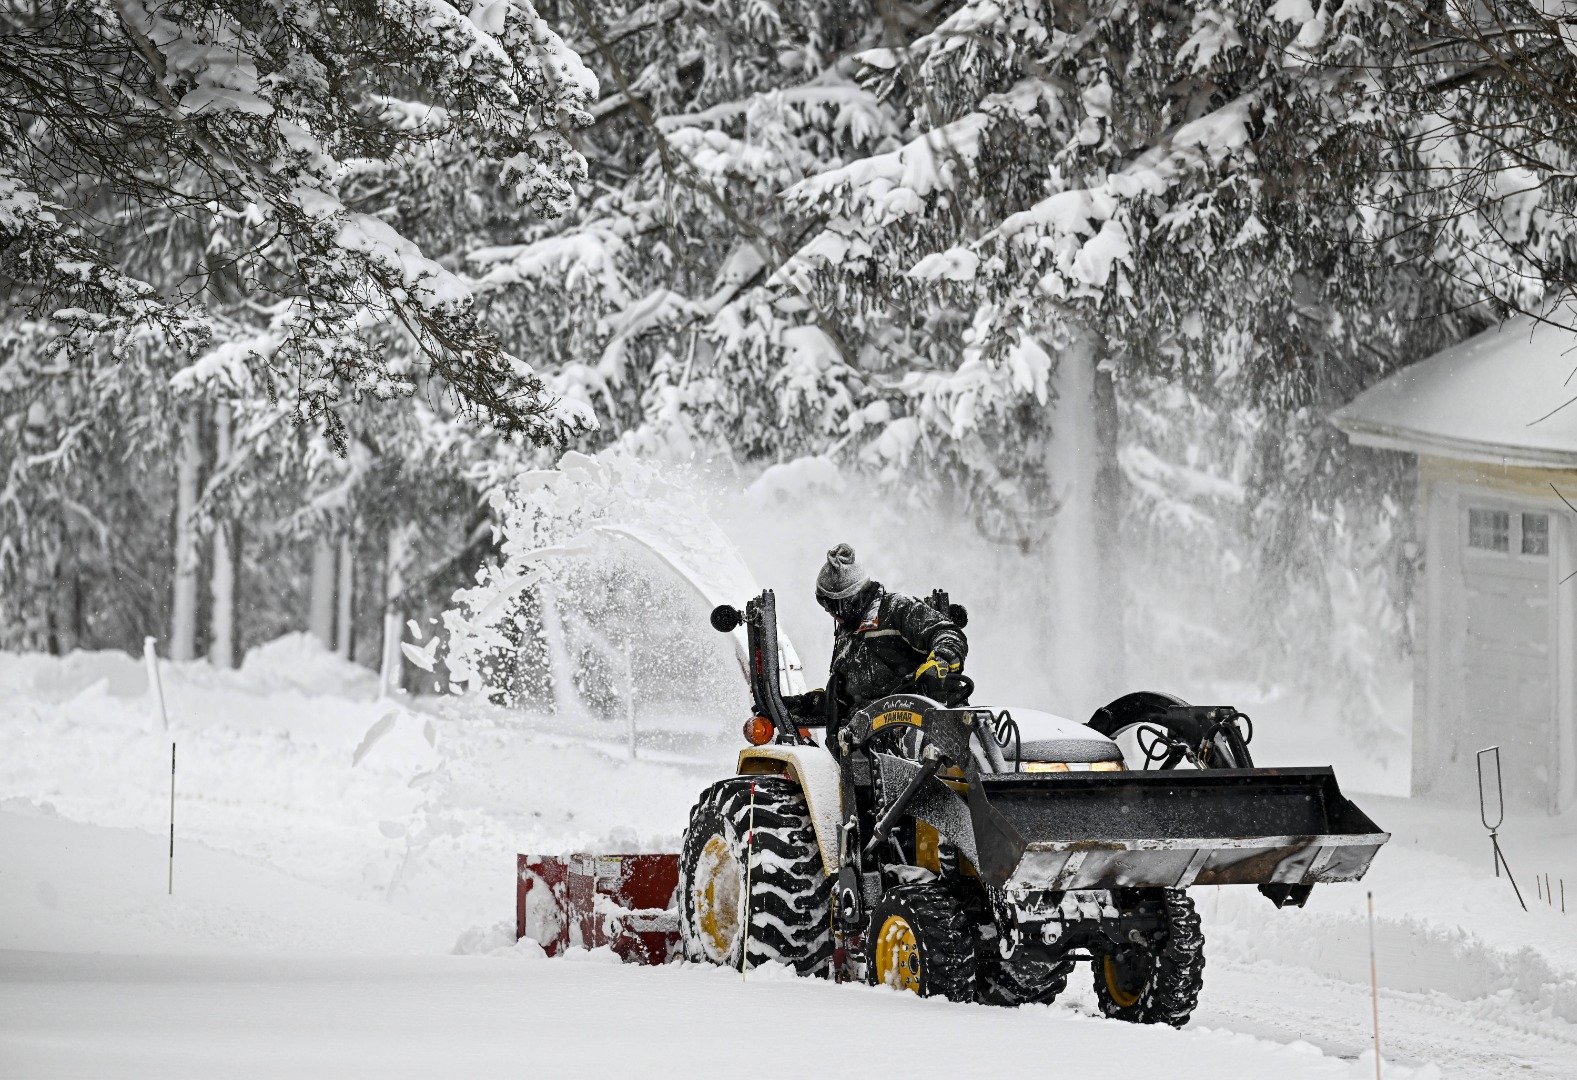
(898, 716)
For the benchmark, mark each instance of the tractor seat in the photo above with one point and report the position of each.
(1048, 737)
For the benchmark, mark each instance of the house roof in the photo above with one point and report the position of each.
(1507, 396)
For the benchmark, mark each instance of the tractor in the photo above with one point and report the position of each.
(980, 854)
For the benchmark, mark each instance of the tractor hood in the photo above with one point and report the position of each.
(1049, 737)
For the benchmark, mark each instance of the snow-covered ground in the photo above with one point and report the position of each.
(334, 852)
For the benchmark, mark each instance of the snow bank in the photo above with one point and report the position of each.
(68, 887)
(293, 762)
(1438, 932)
(299, 661)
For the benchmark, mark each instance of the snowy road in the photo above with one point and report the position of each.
(244, 1016)
(1476, 1039)
(258, 1015)
(196, 985)
(203, 984)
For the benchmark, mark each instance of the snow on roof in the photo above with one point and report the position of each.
(1507, 396)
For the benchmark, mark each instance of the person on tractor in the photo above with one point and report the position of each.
(883, 642)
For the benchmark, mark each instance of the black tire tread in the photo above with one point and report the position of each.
(1177, 975)
(946, 934)
(790, 892)
(1021, 982)
(1008, 983)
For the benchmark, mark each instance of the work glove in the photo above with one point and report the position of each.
(811, 705)
(931, 676)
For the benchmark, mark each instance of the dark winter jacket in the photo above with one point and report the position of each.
(880, 655)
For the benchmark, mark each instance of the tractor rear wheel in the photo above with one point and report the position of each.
(1158, 984)
(789, 912)
(921, 938)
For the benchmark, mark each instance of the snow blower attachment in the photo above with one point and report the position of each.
(588, 901)
(978, 854)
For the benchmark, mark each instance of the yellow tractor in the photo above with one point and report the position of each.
(978, 854)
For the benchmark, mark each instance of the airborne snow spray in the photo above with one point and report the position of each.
(1374, 989)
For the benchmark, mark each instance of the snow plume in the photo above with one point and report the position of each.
(784, 520)
(1290, 605)
(608, 565)
(608, 568)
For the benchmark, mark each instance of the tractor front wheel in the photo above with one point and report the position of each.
(1022, 981)
(922, 939)
(1160, 983)
(1010, 982)
(788, 911)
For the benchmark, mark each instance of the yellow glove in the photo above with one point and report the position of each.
(943, 666)
(931, 676)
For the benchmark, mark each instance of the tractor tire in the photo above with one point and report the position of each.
(921, 938)
(1009, 983)
(790, 909)
(1159, 984)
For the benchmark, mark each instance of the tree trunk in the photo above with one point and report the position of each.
(1086, 604)
(221, 635)
(393, 668)
(1109, 494)
(183, 612)
(345, 617)
(64, 606)
(320, 619)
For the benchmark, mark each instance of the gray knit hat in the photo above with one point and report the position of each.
(842, 576)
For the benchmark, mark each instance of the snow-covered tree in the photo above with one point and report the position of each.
(198, 171)
(1476, 165)
(1098, 202)
(651, 296)
(238, 207)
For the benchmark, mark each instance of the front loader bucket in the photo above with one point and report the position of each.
(1281, 828)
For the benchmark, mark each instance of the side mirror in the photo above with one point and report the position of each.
(726, 619)
(956, 612)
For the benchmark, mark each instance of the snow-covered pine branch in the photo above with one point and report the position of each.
(251, 127)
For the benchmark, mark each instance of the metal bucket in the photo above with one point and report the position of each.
(1271, 827)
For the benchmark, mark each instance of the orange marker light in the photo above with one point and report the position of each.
(758, 731)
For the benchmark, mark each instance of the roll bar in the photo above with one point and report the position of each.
(764, 674)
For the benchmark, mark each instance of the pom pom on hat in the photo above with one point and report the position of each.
(841, 576)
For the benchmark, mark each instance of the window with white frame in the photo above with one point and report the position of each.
(1503, 532)
(1489, 530)
(1536, 534)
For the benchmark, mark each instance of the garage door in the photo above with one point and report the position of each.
(1508, 689)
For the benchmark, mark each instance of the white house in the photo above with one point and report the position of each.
(1493, 422)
